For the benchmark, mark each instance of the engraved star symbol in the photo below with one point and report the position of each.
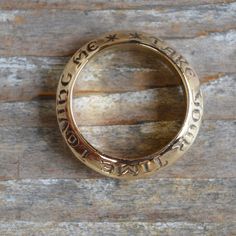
(135, 35)
(111, 37)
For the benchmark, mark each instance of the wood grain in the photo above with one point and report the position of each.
(103, 4)
(115, 228)
(58, 33)
(55, 200)
(43, 154)
(44, 190)
(32, 77)
(218, 93)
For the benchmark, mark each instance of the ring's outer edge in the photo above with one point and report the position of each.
(124, 168)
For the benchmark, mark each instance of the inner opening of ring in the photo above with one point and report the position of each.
(129, 101)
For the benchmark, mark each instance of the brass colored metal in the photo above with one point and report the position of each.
(139, 167)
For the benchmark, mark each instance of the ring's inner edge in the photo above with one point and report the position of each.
(164, 59)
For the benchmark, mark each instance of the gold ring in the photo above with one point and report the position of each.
(139, 167)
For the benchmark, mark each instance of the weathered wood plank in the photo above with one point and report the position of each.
(205, 200)
(218, 94)
(31, 78)
(129, 108)
(15, 228)
(9, 162)
(43, 153)
(57, 33)
(44, 190)
(103, 4)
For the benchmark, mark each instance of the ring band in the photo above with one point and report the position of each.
(139, 167)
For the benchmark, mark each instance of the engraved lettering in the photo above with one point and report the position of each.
(169, 51)
(183, 145)
(197, 102)
(183, 64)
(107, 166)
(159, 162)
(156, 40)
(189, 137)
(180, 61)
(196, 115)
(63, 123)
(71, 137)
(134, 35)
(60, 111)
(124, 169)
(85, 153)
(66, 80)
(189, 72)
(62, 97)
(111, 37)
(82, 55)
(146, 166)
(92, 46)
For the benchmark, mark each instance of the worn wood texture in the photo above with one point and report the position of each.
(44, 190)
(113, 228)
(31, 31)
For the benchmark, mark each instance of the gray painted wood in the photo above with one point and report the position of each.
(44, 190)
(103, 4)
(47, 32)
(16, 228)
(101, 200)
(42, 153)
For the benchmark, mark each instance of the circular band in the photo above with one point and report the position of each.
(128, 168)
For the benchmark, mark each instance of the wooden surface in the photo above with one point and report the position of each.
(44, 190)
